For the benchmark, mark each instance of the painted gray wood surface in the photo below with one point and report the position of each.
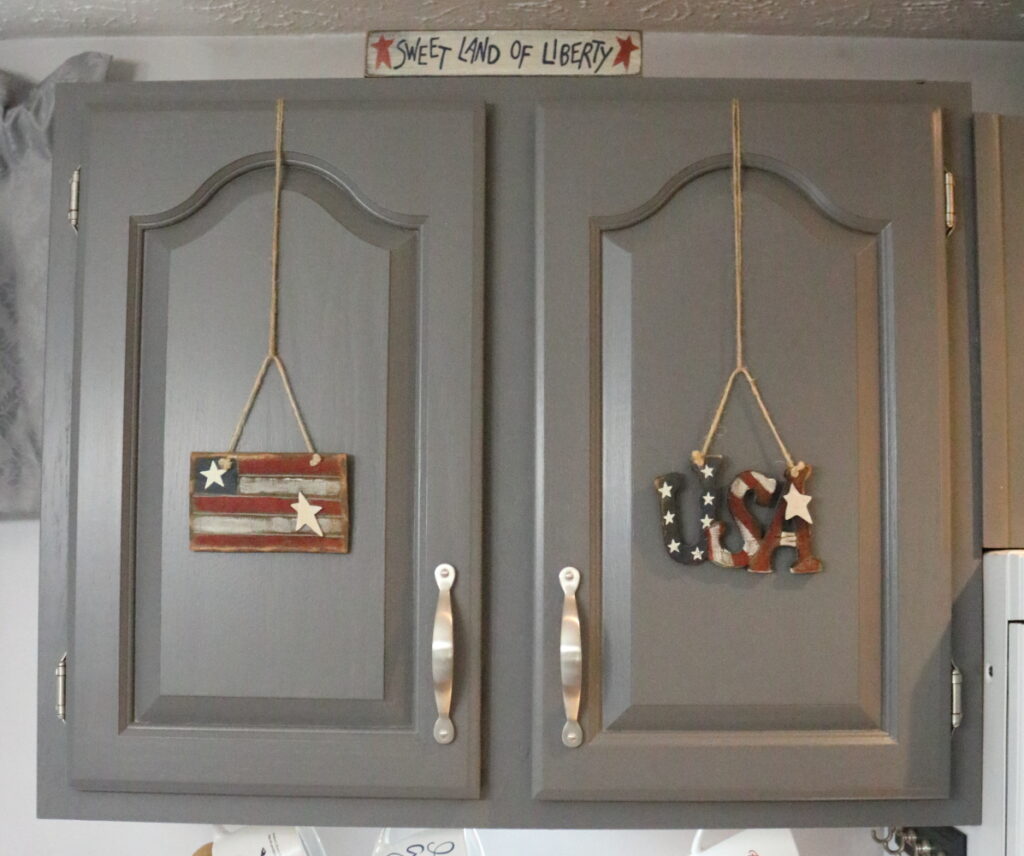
(512, 601)
(999, 157)
(277, 673)
(705, 683)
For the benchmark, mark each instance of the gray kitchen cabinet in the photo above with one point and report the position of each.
(511, 342)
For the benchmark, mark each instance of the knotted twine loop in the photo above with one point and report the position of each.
(272, 355)
(699, 455)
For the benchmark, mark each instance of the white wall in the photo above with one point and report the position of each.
(995, 68)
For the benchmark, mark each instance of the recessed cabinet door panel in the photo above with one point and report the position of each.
(707, 683)
(286, 672)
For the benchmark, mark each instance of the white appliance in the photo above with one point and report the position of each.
(1002, 829)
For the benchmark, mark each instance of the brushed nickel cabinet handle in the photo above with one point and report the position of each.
(442, 654)
(571, 658)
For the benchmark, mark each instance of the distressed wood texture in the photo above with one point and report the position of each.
(262, 502)
(999, 160)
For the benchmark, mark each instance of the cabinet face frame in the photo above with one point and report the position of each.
(506, 799)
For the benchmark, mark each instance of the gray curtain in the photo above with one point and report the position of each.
(26, 113)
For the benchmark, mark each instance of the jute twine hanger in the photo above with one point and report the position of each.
(272, 357)
(698, 455)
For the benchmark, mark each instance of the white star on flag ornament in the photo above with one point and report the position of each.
(305, 515)
(214, 475)
(673, 546)
(665, 490)
(669, 517)
(707, 471)
(706, 522)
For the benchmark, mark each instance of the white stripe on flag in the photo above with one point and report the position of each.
(228, 524)
(288, 486)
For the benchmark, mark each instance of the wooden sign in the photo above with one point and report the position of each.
(433, 53)
(268, 503)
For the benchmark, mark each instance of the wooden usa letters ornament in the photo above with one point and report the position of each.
(241, 502)
(791, 522)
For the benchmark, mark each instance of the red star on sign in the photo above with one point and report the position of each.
(383, 54)
(626, 47)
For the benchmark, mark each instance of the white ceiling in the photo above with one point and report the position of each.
(971, 19)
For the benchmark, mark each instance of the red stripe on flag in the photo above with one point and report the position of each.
(260, 543)
(290, 465)
(230, 504)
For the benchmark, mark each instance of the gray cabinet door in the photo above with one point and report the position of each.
(275, 673)
(705, 683)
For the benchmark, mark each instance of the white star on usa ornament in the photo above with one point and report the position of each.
(706, 522)
(707, 471)
(796, 504)
(673, 546)
(214, 475)
(305, 515)
(665, 490)
(709, 499)
(697, 553)
(669, 517)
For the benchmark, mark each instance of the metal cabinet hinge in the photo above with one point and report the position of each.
(956, 701)
(62, 687)
(76, 180)
(950, 186)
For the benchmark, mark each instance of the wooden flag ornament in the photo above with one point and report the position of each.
(263, 502)
(791, 522)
